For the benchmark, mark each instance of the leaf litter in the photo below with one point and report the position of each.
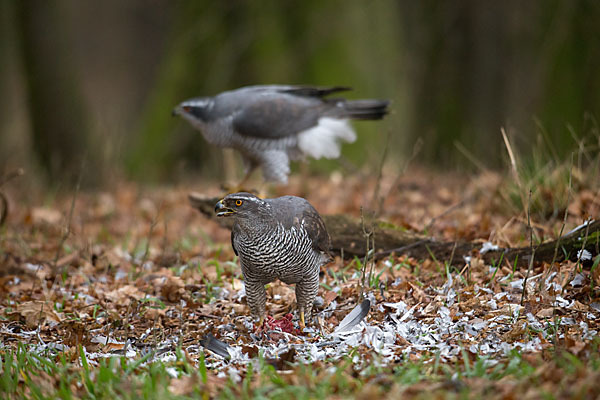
(142, 274)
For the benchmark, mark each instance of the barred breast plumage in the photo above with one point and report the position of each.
(282, 238)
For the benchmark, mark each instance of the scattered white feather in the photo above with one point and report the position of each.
(578, 280)
(324, 139)
(488, 246)
(584, 255)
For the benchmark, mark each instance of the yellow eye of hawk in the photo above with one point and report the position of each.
(238, 203)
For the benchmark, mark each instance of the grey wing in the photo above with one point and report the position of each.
(233, 243)
(278, 115)
(296, 211)
(297, 90)
(311, 91)
(314, 225)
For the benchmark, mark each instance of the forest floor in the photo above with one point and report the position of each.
(112, 295)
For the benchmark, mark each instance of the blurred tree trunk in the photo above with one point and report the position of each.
(56, 110)
(5, 44)
(478, 66)
(198, 32)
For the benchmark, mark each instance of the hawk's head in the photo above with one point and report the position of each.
(240, 205)
(195, 110)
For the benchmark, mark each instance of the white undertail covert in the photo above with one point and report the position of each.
(324, 140)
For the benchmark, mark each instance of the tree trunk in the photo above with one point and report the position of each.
(58, 122)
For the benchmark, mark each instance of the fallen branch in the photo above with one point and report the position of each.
(347, 236)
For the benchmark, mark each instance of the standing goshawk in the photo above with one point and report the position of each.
(273, 124)
(282, 238)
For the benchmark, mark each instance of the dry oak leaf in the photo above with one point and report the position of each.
(173, 289)
(187, 385)
(154, 313)
(509, 309)
(44, 216)
(328, 297)
(417, 293)
(516, 332)
(183, 386)
(545, 313)
(37, 312)
(124, 294)
(237, 284)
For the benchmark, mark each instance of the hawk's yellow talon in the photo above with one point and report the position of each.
(302, 324)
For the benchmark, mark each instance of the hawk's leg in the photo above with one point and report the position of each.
(244, 181)
(239, 187)
(306, 291)
(249, 167)
(256, 296)
(276, 166)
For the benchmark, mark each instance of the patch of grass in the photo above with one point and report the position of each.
(26, 374)
(552, 178)
(30, 374)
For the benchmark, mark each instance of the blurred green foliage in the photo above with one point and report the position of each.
(98, 80)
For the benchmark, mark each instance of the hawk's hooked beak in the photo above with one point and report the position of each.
(223, 211)
(176, 111)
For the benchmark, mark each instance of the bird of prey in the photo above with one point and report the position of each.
(273, 124)
(282, 238)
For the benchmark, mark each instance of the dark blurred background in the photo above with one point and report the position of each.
(96, 80)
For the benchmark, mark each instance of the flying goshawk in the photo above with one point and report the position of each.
(273, 124)
(282, 238)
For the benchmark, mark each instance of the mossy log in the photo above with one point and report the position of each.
(349, 237)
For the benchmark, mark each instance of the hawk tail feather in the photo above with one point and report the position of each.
(366, 109)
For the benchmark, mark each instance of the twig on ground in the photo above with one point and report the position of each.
(67, 231)
(564, 223)
(150, 231)
(531, 248)
(416, 150)
(513, 164)
(181, 325)
(40, 322)
(579, 256)
(399, 250)
(128, 314)
(446, 212)
(453, 251)
(367, 235)
(66, 234)
(376, 200)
